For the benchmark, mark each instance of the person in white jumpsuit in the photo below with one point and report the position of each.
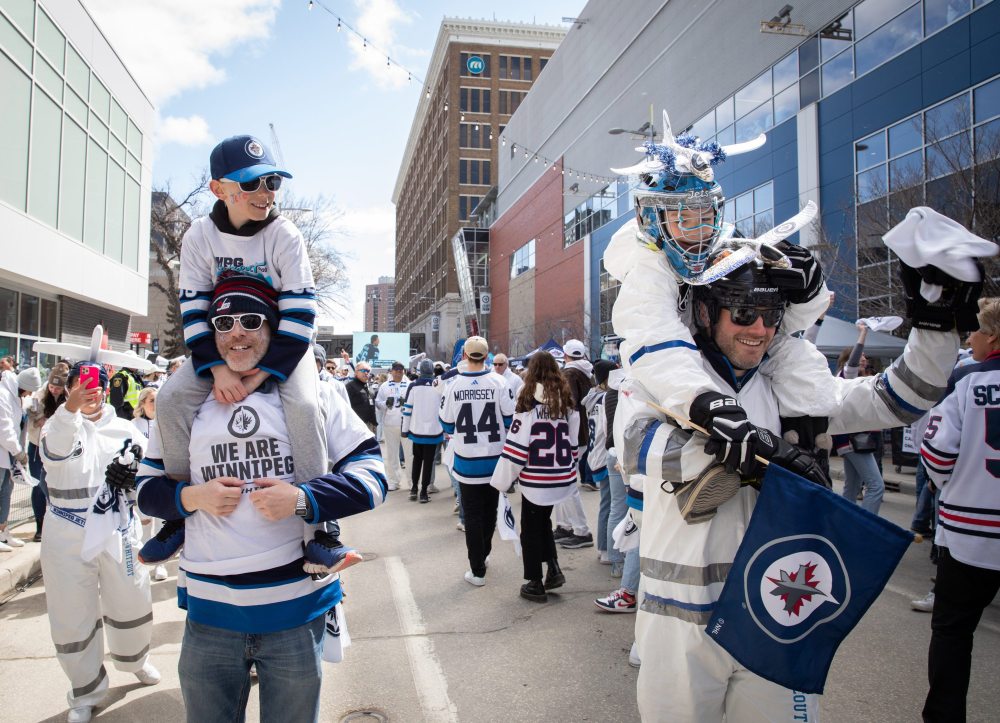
(685, 676)
(88, 600)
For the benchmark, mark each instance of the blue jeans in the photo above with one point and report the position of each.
(215, 665)
(458, 497)
(861, 471)
(604, 540)
(924, 513)
(630, 573)
(6, 490)
(617, 507)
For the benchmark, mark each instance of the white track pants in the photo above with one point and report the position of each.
(569, 513)
(393, 440)
(87, 600)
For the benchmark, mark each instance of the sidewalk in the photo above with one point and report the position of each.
(23, 563)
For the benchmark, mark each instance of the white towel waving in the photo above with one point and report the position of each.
(927, 238)
(881, 323)
(506, 524)
(626, 534)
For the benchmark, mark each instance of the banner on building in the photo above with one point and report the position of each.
(485, 301)
(381, 348)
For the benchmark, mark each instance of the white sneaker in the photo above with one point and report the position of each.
(148, 675)
(603, 558)
(393, 486)
(4, 547)
(460, 527)
(9, 539)
(431, 489)
(633, 657)
(81, 714)
(473, 580)
(159, 573)
(924, 604)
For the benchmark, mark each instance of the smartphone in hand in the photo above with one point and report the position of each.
(90, 376)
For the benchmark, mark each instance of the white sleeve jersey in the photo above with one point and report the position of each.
(961, 451)
(541, 452)
(597, 453)
(421, 423)
(476, 409)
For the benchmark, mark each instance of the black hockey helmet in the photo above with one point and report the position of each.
(747, 291)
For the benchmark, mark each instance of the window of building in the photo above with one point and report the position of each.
(464, 60)
(474, 171)
(466, 205)
(753, 211)
(25, 319)
(522, 260)
(474, 135)
(515, 67)
(542, 62)
(888, 41)
(609, 288)
(590, 215)
(510, 101)
(944, 156)
(474, 100)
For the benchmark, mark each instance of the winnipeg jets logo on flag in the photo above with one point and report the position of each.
(809, 566)
(789, 594)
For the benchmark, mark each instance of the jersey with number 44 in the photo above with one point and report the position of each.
(476, 409)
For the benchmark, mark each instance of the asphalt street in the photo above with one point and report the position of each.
(428, 646)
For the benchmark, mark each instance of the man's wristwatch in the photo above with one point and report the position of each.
(301, 506)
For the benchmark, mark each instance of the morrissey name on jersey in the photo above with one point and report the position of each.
(467, 395)
(248, 459)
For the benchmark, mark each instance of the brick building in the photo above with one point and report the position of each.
(479, 73)
(380, 305)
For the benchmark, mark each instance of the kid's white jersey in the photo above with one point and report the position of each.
(959, 451)
(541, 452)
(476, 409)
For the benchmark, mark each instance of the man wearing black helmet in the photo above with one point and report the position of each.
(703, 490)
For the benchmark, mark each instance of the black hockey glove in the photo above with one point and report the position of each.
(957, 307)
(121, 476)
(731, 437)
(803, 280)
(777, 451)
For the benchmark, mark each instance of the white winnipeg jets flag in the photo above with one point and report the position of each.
(106, 529)
(506, 524)
(336, 639)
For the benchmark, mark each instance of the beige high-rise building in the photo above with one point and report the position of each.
(479, 73)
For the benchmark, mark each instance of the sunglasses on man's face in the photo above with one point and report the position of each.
(226, 322)
(271, 183)
(748, 315)
(361, 371)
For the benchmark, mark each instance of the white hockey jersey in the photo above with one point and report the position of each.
(597, 452)
(421, 423)
(541, 452)
(960, 453)
(476, 409)
(392, 414)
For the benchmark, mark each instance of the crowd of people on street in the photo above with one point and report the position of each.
(243, 457)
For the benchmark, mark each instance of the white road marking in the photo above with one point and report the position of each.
(428, 675)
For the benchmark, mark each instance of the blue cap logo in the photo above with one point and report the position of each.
(475, 64)
(254, 148)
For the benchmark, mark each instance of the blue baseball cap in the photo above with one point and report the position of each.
(243, 158)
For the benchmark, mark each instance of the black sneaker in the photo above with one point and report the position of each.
(423, 497)
(561, 533)
(165, 545)
(554, 577)
(534, 590)
(574, 542)
(413, 495)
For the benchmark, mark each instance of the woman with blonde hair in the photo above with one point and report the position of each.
(540, 452)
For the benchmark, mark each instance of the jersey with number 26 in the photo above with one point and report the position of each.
(476, 409)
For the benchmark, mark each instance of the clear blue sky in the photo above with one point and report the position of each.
(220, 68)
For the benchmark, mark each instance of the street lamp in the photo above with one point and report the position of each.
(646, 128)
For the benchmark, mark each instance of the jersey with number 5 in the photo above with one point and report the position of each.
(476, 409)
(541, 452)
(961, 452)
